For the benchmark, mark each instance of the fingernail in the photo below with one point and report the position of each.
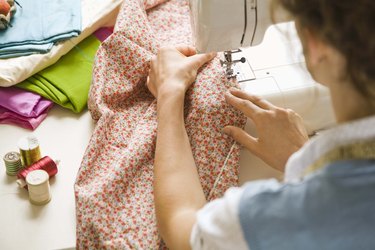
(229, 93)
(233, 89)
(225, 130)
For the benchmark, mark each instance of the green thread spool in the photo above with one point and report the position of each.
(13, 163)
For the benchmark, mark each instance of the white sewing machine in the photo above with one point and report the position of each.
(266, 60)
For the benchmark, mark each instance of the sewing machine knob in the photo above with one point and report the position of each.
(243, 60)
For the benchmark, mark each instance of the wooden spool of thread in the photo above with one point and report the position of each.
(38, 186)
(29, 150)
(46, 164)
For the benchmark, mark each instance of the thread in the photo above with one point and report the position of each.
(29, 150)
(221, 171)
(46, 164)
(38, 186)
(12, 162)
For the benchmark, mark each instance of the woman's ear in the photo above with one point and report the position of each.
(315, 49)
(324, 62)
(318, 54)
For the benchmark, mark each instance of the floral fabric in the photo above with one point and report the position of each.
(114, 192)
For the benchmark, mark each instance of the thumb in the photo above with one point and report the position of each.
(198, 60)
(240, 136)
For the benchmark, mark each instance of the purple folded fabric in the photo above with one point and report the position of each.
(22, 108)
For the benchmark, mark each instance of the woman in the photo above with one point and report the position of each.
(327, 199)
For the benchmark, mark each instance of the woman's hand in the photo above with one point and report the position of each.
(280, 131)
(173, 70)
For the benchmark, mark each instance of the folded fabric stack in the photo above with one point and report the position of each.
(38, 25)
(62, 75)
(95, 14)
(22, 108)
(67, 82)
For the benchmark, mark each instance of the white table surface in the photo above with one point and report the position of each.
(64, 136)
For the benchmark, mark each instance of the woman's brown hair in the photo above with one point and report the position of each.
(346, 25)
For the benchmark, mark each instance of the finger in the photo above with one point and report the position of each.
(253, 98)
(152, 63)
(148, 82)
(186, 50)
(240, 136)
(199, 60)
(150, 86)
(244, 105)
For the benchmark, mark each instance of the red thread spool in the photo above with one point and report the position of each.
(46, 164)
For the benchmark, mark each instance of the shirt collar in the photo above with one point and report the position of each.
(343, 134)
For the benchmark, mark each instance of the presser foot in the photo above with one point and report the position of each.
(237, 66)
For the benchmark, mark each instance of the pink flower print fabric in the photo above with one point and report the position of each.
(114, 192)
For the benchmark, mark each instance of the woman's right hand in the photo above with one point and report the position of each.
(174, 69)
(280, 131)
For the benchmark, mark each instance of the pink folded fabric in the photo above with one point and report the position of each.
(22, 108)
(7, 117)
(114, 191)
(103, 33)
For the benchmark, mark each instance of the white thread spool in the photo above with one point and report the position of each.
(38, 186)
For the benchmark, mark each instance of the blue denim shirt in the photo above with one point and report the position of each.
(334, 208)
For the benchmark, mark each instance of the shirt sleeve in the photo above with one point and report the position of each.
(218, 226)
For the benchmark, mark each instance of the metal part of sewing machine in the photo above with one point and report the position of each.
(236, 66)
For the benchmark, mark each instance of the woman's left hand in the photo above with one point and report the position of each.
(280, 131)
(173, 70)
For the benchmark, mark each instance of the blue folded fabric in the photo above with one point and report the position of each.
(38, 25)
(24, 50)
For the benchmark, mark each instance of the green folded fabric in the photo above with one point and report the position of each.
(67, 82)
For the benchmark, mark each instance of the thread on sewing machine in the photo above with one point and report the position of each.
(46, 164)
(29, 150)
(38, 186)
(13, 163)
